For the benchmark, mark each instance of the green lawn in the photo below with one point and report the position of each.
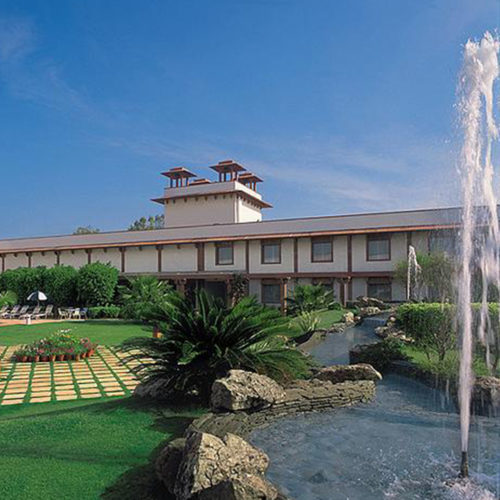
(446, 368)
(83, 449)
(104, 332)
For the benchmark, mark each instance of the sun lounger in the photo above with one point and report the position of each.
(32, 314)
(63, 313)
(17, 311)
(44, 314)
(3, 311)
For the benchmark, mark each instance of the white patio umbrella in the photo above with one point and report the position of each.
(38, 296)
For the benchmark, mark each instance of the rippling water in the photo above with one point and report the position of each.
(403, 445)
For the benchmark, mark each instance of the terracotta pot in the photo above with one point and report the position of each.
(22, 359)
(77, 357)
(52, 358)
(91, 352)
(68, 357)
(30, 359)
(36, 359)
(44, 358)
(60, 357)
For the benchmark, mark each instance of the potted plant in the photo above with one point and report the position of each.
(21, 354)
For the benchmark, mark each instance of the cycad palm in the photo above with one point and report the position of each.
(204, 342)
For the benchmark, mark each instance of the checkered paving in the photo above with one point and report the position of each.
(104, 374)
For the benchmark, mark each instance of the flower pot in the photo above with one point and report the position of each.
(77, 357)
(44, 358)
(91, 352)
(52, 358)
(36, 359)
(60, 357)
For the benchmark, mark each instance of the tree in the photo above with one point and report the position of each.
(96, 284)
(86, 230)
(148, 224)
(202, 343)
(437, 275)
(141, 295)
(23, 281)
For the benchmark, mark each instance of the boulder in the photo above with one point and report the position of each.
(242, 390)
(486, 396)
(342, 373)
(168, 462)
(369, 311)
(156, 389)
(246, 487)
(348, 317)
(370, 302)
(208, 460)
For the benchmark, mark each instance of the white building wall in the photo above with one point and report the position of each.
(110, 256)
(246, 212)
(76, 259)
(239, 258)
(210, 209)
(180, 258)
(47, 260)
(339, 263)
(13, 261)
(360, 263)
(141, 260)
(286, 265)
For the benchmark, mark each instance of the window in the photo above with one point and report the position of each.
(378, 247)
(379, 288)
(322, 250)
(271, 252)
(442, 242)
(224, 254)
(271, 293)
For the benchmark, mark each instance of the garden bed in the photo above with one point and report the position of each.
(60, 346)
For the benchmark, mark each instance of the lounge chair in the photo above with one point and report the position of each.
(63, 313)
(12, 311)
(76, 313)
(84, 313)
(19, 312)
(32, 314)
(3, 310)
(44, 314)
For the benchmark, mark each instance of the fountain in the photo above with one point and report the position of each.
(413, 274)
(480, 229)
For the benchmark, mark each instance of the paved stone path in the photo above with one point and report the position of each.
(102, 375)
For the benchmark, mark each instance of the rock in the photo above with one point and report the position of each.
(369, 311)
(156, 389)
(486, 396)
(242, 390)
(370, 302)
(382, 331)
(338, 327)
(246, 487)
(208, 460)
(168, 462)
(342, 373)
(348, 317)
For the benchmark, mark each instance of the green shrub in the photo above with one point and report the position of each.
(203, 342)
(60, 285)
(102, 312)
(307, 322)
(96, 284)
(8, 298)
(381, 354)
(23, 281)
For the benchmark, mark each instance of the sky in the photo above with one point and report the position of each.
(341, 106)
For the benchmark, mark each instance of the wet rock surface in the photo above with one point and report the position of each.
(342, 373)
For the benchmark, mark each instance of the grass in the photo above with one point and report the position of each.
(84, 450)
(447, 368)
(104, 332)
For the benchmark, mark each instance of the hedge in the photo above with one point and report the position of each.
(96, 284)
(101, 312)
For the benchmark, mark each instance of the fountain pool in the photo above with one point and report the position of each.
(403, 445)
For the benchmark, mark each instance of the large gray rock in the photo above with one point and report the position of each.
(486, 396)
(155, 390)
(342, 373)
(370, 302)
(348, 317)
(168, 463)
(242, 390)
(369, 311)
(208, 460)
(246, 487)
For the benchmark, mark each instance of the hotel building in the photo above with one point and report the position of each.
(214, 230)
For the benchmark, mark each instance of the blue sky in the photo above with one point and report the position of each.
(340, 105)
